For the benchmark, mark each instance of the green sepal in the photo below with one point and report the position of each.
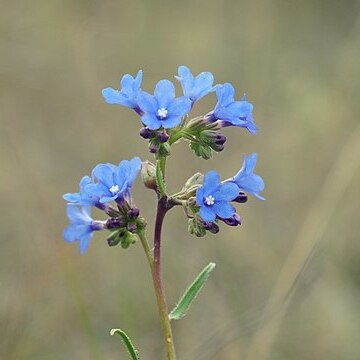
(115, 237)
(201, 150)
(129, 345)
(191, 293)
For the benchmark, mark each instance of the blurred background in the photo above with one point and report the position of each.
(287, 282)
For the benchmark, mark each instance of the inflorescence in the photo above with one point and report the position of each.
(206, 199)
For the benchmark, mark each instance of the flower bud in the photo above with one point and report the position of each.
(235, 220)
(162, 137)
(220, 139)
(133, 213)
(154, 148)
(146, 133)
(148, 175)
(115, 237)
(128, 239)
(194, 180)
(131, 227)
(241, 198)
(115, 223)
(196, 228)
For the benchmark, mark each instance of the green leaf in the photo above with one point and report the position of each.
(129, 345)
(160, 179)
(191, 293)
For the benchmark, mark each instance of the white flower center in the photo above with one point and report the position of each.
(162, 113)
(114, 189)
(209, 200)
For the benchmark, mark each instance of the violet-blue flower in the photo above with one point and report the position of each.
(246, 180)
(114, 182)
(81, 226)
(231, 112)
(163, 109)
(213, 197)
(195, 88)
(127, 96)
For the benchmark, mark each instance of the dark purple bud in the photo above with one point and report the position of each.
(217, 147)
(210, 226)
(115, 223)
(235, 220)
(220, 139)
(146, 133)
(132, 227)
(162, 136)
(241, 198)
(153, 148)
(133, 213)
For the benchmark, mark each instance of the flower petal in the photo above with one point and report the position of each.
(151, 121)
(207, 213)
(170, 122)
(147, 102)
(179, 106)
(164, 93)
(227, 192)
(211, 182)
(224, 209)
(104, 173)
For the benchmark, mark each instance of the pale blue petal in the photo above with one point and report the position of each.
(179, 106)
(211, 182)
(200, 196)
(72, 198)
(170, 122)
(224, 209)
(227, 192)
(151, 121)
(225, 94)
(104, 173)
(207, 213)
(164, 93)
(147, 103)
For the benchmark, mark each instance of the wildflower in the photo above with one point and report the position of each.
(127, 96)
(114, 182)
(213, 197)
(231, 112)
(82, 226)
(195, 88)
(246, 180)
(162, 109)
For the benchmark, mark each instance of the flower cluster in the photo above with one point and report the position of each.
(165, 120)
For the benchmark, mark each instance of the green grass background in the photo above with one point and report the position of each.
(298, 62)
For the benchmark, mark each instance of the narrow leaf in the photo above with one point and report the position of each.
(191, 293)
(129, 345)
(160, 179)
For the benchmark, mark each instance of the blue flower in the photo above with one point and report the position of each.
(246, 180)
(82, 197)
(114, 182)
(195, 88)
(163, 109)
(231, 112)
(82, 226)
(127, 96)
(213, 197)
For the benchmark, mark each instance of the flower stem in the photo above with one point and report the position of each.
(154, 261)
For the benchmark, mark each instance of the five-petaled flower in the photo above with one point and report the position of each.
(246, 180)
(127, 96)
(163, 109)
(213, 197)
(81, 227)
(114, 182)
(231, 112)
(195, 88)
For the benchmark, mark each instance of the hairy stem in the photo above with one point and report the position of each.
(154, 262)
(158, 285)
